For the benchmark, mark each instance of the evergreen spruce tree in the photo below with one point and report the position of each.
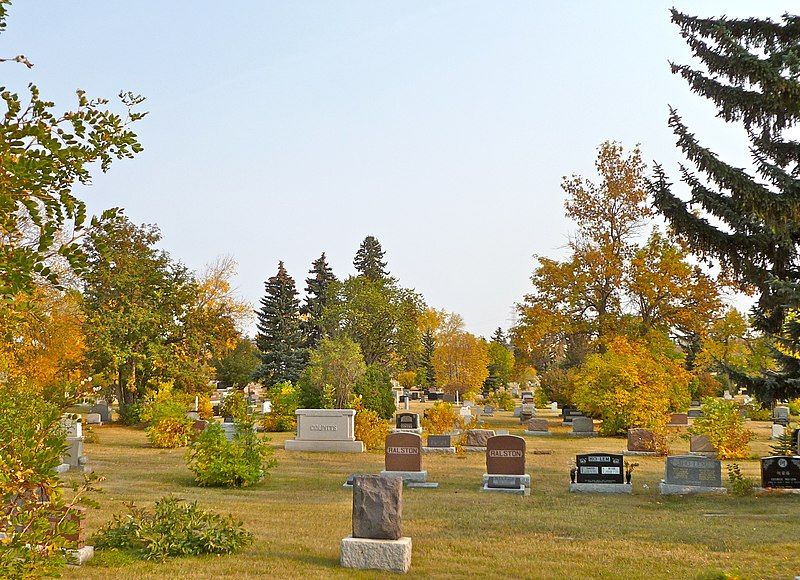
(749, 224)
(279, 338)
(316, 298)
(499, 337)
(785, 444)
(369, 259)
(426, 361)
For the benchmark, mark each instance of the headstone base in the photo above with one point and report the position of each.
(521, 490)
(366, 554)
(80, 556)
(422, 484)
(334, 446)
(776, 491)
(438, 449)
(538, 433)
(709, 454)
(63, 468)
(601, 487)
(418, 476)
(418, 430)
(641, 453)
(524, 480)
(579, 434)
(672, 489)
(476, 449)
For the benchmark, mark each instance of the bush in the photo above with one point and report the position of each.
(285, 399)
(31, 443)
(370, 428)
(755, 412)
(739, 484)
(173, 528)
(131, 414)
(502, 399)
(217, 462)
(724, 427)
(540, 398)
(171, 432)
(630, 385)
(441, 419)
(375, 390)
(234, 405)
(557, 385)
(794, 407)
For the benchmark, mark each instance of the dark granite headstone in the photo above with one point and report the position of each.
(701, 444)
(693, 471)
(505, 455)
(780, 472)
(403, 452)
(377, 507)
(600, 468)
(440, 441)
(679, 419)
(407, 421)
(694, 413)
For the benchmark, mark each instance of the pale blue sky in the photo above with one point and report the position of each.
(279, 130)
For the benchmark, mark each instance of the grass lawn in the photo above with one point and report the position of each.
(301, 512)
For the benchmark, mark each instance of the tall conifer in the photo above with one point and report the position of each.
(317, 284)
(369, 259)
(279, 338)
(749, 224)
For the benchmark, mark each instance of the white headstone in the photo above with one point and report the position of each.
(266, 407)
(554, 406)
(778, 430)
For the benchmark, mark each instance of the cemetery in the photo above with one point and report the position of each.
(460, 513)
(205, 374)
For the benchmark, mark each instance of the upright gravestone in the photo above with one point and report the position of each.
(103, 409)
(403, 459)
(439, 444)
(73, 457)
(475, 439)
(376, 542)
(583, 427)
(527, 413)
(678, 420)
(408, 422)
(537, 426)
(694, 413)
(599, 472)
(488, 410)
(466, 415)
(687, 474)
(325, 430)
(641, 442)
(701, 445)
(780, 414)
(780, 472)
(778, 430)
(505, 465)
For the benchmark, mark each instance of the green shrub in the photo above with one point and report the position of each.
(557, 385)
(31, 443)
(158, 409)
(173, 528)
(285, 399)
(375, 389)
(540, 398)
(756, 412)
(234, 405)
(794, 407)
(724, 427)
(502, 399)
(740, 485)
(217, 462)
(131, 414)
(171, 432)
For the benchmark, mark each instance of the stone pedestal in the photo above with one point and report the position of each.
(334, 446)
(601, 487)
(407, 476)
(438, 449)
(367, 554)
(523, 479)
(673, 489)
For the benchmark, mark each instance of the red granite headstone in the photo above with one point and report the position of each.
(505, 455)
(403, 452)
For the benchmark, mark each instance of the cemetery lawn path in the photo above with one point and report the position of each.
(301, 512)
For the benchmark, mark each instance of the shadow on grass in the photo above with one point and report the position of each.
(306, 559)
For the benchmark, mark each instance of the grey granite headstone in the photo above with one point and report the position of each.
(377, 507)
(690, 470)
